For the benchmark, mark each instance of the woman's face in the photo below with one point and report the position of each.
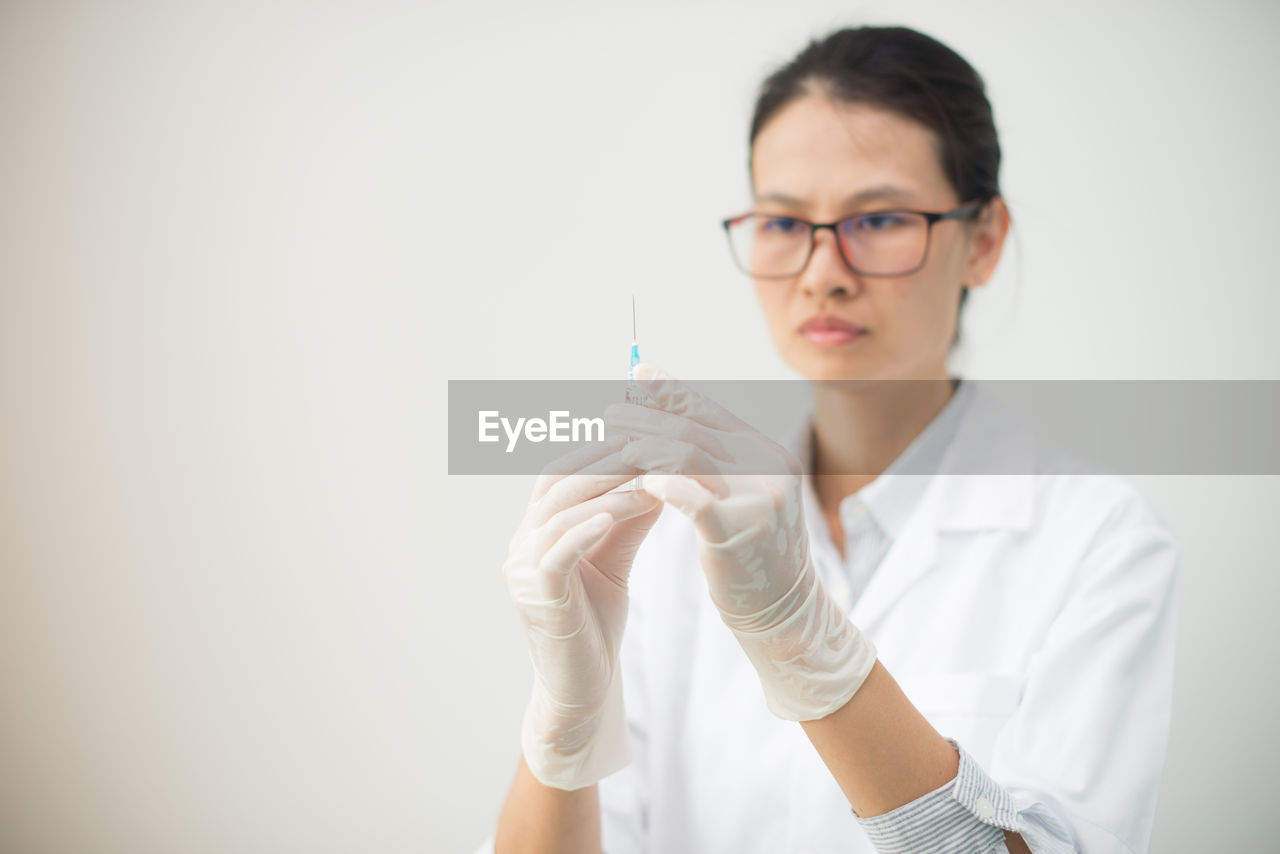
(821, 160)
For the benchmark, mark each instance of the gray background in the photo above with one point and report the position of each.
(244, 245)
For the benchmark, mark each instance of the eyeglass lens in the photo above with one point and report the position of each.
(878, 244)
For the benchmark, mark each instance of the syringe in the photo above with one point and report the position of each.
(634, 395)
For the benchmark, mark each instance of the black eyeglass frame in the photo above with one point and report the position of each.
(965, 211)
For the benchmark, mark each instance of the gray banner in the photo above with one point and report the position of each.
(1125, 426)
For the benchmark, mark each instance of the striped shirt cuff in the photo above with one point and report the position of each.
(968, 813)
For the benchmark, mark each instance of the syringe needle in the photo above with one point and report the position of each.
(633, 318)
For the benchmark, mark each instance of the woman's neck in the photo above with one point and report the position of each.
(860, 428)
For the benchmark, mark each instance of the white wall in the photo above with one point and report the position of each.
(244, 246)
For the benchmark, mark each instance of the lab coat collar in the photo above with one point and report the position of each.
(984, 454)
(986, 473)
(982, 483)
(893, 496)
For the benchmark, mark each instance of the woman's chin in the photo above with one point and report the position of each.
(831, 366)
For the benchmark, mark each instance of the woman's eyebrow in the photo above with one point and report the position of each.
(880, 192)
(781, 197)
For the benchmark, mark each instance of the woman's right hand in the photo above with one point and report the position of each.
(567, 571)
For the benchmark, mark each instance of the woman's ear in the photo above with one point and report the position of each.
(986, 243)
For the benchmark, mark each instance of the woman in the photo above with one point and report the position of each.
(977, 663)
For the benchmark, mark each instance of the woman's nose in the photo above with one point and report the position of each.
(827, 272)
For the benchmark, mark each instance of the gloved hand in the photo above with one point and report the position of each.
(741, 490)
(566, 571)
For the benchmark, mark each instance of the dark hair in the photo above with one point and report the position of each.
(906, 72)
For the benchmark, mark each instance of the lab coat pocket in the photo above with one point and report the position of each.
(970, 707)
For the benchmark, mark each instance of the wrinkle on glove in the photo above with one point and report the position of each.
(811, 659)
(582, 755)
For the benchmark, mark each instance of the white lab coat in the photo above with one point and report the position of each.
(1029, 617)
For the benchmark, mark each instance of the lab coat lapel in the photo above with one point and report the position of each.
(912, 556)
(984, 482)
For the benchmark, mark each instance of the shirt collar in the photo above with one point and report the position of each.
(892, 497)
(989, 469)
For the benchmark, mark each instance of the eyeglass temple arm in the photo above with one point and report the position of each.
(963, 212)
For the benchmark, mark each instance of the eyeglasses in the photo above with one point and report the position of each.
(876, 243)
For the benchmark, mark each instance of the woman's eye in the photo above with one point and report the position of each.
(875, 222)
(779, 224)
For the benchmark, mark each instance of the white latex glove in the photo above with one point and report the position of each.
(567, 570)
(741, 490)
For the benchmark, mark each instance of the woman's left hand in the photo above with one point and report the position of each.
(741, 490)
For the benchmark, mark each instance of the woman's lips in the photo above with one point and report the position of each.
(831, 331)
